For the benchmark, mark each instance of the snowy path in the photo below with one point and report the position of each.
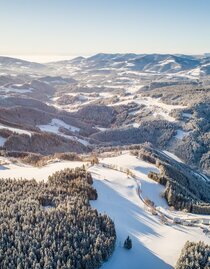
(118, 198)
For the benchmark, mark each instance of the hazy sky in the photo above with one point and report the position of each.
(84, 27)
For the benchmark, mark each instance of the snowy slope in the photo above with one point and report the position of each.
(55, 124)
(2, 141)
(54, 127)
(11, 170)
(155, 245)
(172, 156)
(15, 130)
(154, 105)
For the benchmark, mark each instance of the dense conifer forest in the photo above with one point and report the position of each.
(185, 188)
(194, 256)
(51, 225)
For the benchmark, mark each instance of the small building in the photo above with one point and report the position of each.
(206, 231)
(205, 221)
(177, 220)
(194, 221)
(185, 223)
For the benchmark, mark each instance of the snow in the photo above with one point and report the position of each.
(2, 141)
(181, 134)
(102, 129)
(118, 198)
(134, 88)
(149, 187)
(205, 176)
(155, 245)
(114, 86)
(184, 74)
(82, 141)
(184, 215)
(173, 156)
(167, 61)
(29, 172)
(16, 130)
(80, 97)
(196, 72)
(55, 124)
(106, 94)
(165, 115)
(75, 107)
(187, 115)
(154, 105)
(202, 176)
(130, 64)
(134, 112)
(157, 102)
(16, 90)
(175, 65)
(136, 125)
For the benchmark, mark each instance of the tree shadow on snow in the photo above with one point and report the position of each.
(130, 219)
(3, 167)
(145, 170)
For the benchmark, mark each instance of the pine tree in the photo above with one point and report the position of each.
(128, 243)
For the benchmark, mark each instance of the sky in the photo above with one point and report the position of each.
(68, 28)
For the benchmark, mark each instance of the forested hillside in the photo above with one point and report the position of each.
(194, 255)
(51, 225)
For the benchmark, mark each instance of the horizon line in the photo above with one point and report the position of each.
(42, 58)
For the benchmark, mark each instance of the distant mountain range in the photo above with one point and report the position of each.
(148, 63)
(7, 62)
(160, 63)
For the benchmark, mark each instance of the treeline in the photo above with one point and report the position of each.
(39, 160)
(43, 143)
(163, 131)
(185, 189)
(194, 256)
(194, 148)
(51, 225)
(186, 195)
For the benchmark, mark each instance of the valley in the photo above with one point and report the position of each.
(138, 125)
(89, 101)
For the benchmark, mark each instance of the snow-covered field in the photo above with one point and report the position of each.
(155, 105)
(54, 127)
(155, 245)
(18, 170)
(16, 130)
(55, 124)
